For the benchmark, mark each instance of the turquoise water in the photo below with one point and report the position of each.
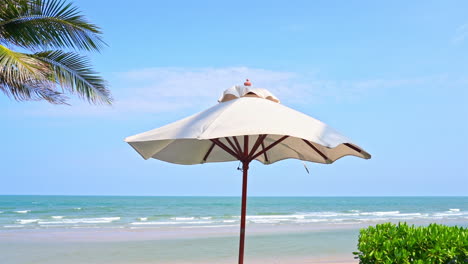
(196, 230)
(42, 212)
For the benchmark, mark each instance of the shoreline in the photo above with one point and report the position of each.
(113, 234)
(146, 233)
(76, 230)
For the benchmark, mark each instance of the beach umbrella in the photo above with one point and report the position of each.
(247, 124)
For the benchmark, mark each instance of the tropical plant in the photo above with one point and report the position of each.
(39, 41)
(403, 244)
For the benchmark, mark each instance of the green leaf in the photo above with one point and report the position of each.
(72, 72)
(47, 24)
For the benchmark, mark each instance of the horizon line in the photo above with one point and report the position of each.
(228, 196)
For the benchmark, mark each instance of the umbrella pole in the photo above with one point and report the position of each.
(245, 169)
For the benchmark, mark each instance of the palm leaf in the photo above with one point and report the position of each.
(24, 77)
(73, 73)
(20, 67)
(47, 24)
(32, 90)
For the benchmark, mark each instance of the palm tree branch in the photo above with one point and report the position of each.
(32, 90)
(48, 23)
(72, 72)
(17, 66)
(25, 78)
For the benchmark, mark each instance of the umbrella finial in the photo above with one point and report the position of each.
(247, 83)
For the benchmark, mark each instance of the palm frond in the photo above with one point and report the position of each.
(73, 73)
(24, 77)
(32, 90)
(47, 24)
(20, 67)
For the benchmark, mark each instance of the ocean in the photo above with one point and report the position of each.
(182, 230)
(43, 212)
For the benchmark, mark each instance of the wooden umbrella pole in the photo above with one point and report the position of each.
(245, 169)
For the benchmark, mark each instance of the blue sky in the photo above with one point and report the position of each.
(390, 75)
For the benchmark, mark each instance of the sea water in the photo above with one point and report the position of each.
(182, 230)
(42, 212)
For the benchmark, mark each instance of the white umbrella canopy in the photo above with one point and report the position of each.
(248, 124)
(188, 141)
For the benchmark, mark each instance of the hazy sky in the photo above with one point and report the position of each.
(391, 75)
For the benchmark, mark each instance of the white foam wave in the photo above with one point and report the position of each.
(303, 221)
(252, 217)
(173, 223)
(182, 218)
(381, 213)
(23, 211)
(448, 214)
(333, 217)
(77, 208)
(13, 226)
(154, 223)
(53, 226)
(371, 219)
(326, 214)
(85, 227)
(98, 220)
(300, 218)
(208, 226)
(144, 227)
(338, 220)
(27, 221)
(191, 218)
(350, 216)
(265, 221)
(410, 214)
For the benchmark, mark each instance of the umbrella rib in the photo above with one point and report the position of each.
(256, 145)
(246, 147)
(232, 146)
(208, 152)
(353, 147)
(269, 147)
(264, 153)
(237, 143)
(221, 145)
(327, 160)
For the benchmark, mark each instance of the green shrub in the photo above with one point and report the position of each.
(401, 244)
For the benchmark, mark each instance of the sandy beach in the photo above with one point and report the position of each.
(175, 246)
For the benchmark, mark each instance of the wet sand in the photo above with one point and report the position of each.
(264, 244)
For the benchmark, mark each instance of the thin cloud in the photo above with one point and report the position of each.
(187, 90)
(160, 90)
(461, 34)
(184, 88)
(200, 82)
